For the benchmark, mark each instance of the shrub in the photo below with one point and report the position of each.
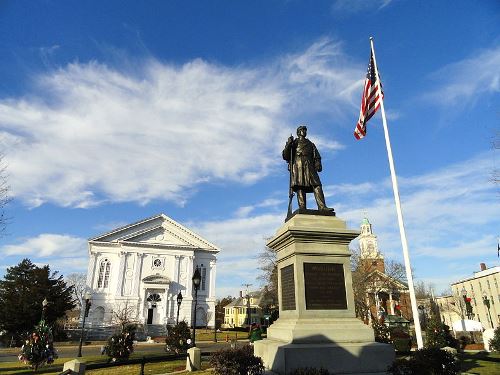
(121, 345)
(429, 361)
(309, 371)
(495, 341)
(178, 338)
(382, 333)
(238, 361)
(463, 341)
(438, 335)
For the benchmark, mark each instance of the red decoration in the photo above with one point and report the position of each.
(468, 299)
(397, 307)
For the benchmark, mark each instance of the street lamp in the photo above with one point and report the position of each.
(196, 284)
(468, 306)
(86, 297)
(486, 302)
(44, 308)
(215, 325)
(179, 301)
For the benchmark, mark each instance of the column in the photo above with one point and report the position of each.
(211, 293)
(177, 269)
(189, 273)
(121, 273)
(91, 269)
(391, 304)
(137, 274)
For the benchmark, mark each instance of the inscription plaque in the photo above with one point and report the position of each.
(324, 286)
(287, 288)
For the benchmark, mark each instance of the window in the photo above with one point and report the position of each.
(203, 278)
(103, 278)
(488, 284)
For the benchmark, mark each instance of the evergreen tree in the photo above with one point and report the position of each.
(39, 347)
(21, 293)
(178, 338)
(438, 334)
(121, 345)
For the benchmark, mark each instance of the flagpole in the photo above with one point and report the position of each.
(413, 299)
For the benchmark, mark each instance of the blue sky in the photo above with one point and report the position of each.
(115, 111)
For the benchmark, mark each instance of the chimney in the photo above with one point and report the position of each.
(483, 266)
(241, 294)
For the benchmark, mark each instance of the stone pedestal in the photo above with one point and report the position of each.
(317, 326)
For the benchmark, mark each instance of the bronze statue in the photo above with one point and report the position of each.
(304, 163)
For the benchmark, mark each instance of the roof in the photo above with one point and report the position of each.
(158, 230)
(479, 274)
(391, 279)
(238, 302)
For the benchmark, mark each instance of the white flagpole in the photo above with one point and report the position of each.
(416, 321)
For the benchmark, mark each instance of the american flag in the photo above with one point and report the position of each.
(371, 99)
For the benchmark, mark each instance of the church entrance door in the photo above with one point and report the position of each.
(150, 316)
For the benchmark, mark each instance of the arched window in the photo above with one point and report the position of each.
(98, 316)
(154, 298)
(103, 279)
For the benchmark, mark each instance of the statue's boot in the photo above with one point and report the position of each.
(301, 199)
(320, 199)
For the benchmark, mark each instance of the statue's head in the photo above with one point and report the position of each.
(302, 129)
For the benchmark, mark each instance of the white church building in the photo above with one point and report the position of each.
(140, 268)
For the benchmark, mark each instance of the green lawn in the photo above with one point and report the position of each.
(478, 363)
(56, 368)
(208, 335)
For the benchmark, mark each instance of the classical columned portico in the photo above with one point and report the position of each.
(155, 290)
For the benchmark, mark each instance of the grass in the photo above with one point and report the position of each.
(203, 334)
(18, 368)
(480, 363)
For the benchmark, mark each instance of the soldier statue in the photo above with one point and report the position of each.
(304, 163)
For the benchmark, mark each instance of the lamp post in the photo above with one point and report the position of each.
(196, 284)
(468, 306)
(486, 302)
(215, 325)
(86, 297)
(44, 308)
(179, 301)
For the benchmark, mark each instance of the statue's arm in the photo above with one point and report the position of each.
(287, 150)
(317, 159)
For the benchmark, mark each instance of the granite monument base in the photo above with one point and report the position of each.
(317, 326)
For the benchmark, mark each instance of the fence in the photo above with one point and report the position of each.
(136, 361)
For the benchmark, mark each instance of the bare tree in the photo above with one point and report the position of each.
(79, 282)
(206, 316)
(123, 314)
(366, 282)
(269, 276)
(423, 290)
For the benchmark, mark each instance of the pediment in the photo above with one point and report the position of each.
(156, 230)
(156, 279)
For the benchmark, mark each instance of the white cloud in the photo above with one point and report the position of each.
(354, 6)
(90, 134)
(48, 245)
(466, 80)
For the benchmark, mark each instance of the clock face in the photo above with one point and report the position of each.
(157, 262)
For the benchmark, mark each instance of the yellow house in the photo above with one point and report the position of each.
(236, 312)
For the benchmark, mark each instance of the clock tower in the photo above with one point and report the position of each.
(370, 254)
